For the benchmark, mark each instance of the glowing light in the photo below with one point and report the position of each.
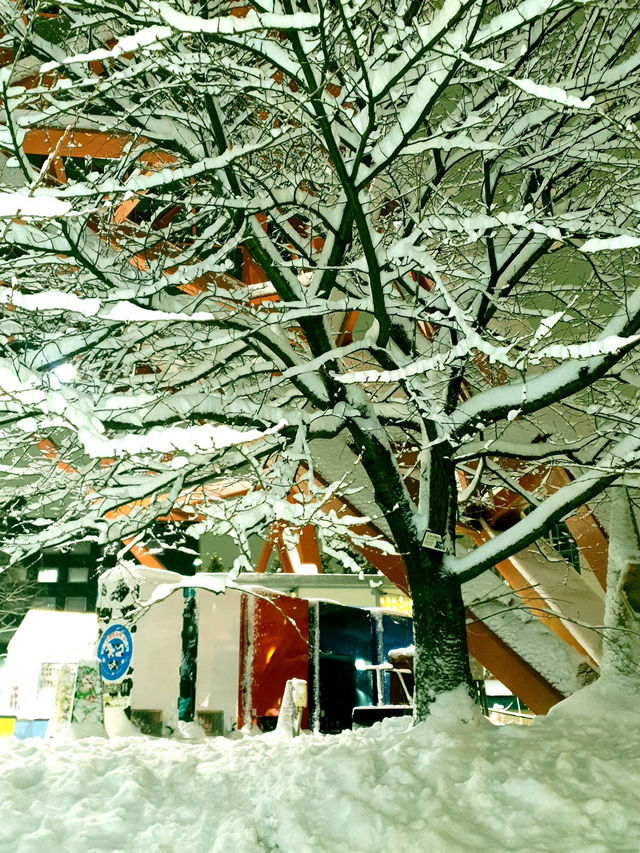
(397, 604)
(64, 373)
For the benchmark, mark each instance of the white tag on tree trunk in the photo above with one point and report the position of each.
(433, 541)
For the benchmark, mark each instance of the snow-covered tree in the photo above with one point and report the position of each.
(407, 226)
(621, 647)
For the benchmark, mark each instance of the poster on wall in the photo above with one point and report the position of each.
(87, 696)
(63, 702)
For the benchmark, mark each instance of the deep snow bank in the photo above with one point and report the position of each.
(569, 783)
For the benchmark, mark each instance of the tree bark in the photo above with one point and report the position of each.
(621, 638)
(441, 660)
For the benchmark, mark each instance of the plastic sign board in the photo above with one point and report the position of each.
(63, 703)
(87, 695)
(115, 650)
(433, 541)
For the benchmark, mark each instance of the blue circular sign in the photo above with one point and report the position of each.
(114, 652)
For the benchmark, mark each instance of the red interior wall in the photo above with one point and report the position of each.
(273, 648)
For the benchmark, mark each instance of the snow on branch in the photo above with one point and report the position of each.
(552, 510)
(552, 93)
(172, 174)
(497, 355)
(503, 448)
(535, 392)
(610, 244)
(229, 24)
(191, 440)
(147, 37)
(513, 19)
(41, 205)
(121, 311)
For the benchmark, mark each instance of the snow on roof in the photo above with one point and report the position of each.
(51, 636)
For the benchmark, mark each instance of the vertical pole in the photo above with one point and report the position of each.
(189, 660)
(380, 697)
(247, 648)
(314, 666)
(377, 654)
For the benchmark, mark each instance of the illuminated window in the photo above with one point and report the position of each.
(48, 576)
(46, 602)
(78, 575)
(77, 604)
(397, 604)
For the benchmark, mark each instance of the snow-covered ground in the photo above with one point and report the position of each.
(570, 782)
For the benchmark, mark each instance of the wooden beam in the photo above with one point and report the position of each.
(589, 536)
(345, 335)
(143, 555)
(307, 547)
(101, 145)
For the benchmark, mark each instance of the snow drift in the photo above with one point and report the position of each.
(568, 784)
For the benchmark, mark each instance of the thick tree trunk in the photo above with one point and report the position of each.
(441, 661)
(621, 638)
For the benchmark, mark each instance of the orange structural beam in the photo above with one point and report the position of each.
(143, 555)
(392, 566)
(76, 143)
(252, 273)
(307, 547)
(508, 667)
(592, 542)
(345, 335)
(6, 54)
(198, 496)
(529, 596)
(112, 146)
(100, 145)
